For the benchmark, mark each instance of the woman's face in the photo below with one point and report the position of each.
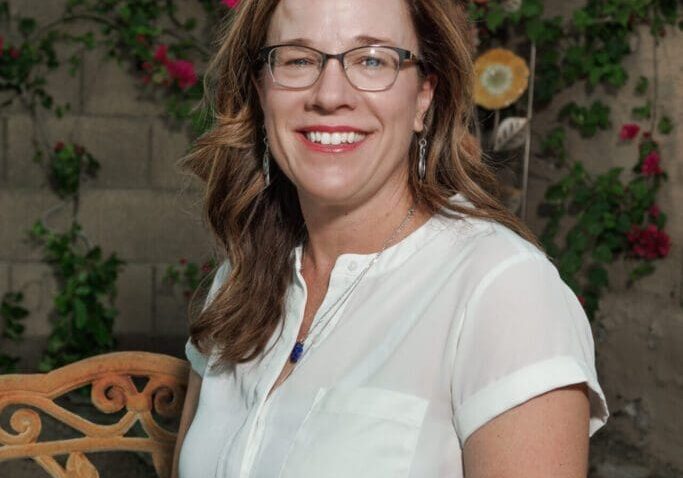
(376, 165)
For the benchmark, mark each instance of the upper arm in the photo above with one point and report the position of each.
(545, 436)
(194, 385)
(523, 338)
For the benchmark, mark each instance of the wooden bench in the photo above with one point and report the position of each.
(115, 380)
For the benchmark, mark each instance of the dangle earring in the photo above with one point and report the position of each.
(266, 163)
(422, 162)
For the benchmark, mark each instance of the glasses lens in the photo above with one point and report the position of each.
(294, 66)
(372, 68)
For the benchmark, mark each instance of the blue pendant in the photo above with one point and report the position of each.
(296, 352)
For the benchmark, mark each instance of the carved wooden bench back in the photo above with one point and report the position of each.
(112, 391)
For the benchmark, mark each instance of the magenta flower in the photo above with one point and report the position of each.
(650, 165)
(230, 3)
(654, 211)
(629, 131)
(649, 243)
(161, 54)
(183, 72)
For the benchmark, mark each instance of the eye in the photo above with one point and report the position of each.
(372, 62)
(299, 62)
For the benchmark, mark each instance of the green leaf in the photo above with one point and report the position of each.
(494, 17)
(80, 314)
(27, 25)
(603, 254)
(642, 112)
(598, 277)
(582, 19)
(642, 270)
(641, 86)
(665, 126)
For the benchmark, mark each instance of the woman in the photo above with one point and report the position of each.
(380, 313)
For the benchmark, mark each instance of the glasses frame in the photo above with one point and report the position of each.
(404, 57)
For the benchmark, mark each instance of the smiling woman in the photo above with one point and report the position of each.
(379, 313)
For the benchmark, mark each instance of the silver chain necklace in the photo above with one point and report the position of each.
(298, 349)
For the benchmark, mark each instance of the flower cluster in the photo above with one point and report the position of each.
(12, 52)
(167, 71)
(230, 3)
(650, 166)
(649, 242)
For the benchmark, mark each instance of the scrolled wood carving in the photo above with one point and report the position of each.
(113, 390)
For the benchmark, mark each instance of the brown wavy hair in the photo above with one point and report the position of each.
(258, 227)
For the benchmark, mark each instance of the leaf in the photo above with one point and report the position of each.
(495, 17)
(80, 314)
(511, 134)
(602, 253)
(665, 126)
(641, 86)
(27, 25)
(598, 277)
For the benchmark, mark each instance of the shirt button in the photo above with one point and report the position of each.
(352, 266)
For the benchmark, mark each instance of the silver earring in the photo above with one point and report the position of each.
(422, 163)
(266, 162)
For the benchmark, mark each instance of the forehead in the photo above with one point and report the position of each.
(335, 25)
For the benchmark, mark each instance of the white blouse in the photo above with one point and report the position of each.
(457, 323)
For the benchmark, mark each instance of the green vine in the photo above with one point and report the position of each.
(84, 312)
(12, 313)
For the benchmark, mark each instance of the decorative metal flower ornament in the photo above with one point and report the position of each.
(501, 78)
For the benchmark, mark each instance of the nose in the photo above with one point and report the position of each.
(333, 90)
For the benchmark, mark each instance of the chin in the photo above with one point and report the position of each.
(330, 192)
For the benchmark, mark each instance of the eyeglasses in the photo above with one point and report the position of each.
(368, 68)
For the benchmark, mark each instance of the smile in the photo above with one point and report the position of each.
(324, 137)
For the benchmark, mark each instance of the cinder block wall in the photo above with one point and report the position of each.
(143, 209)
(140, 206)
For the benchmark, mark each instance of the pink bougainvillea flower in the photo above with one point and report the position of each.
(161, 54)
(14, 53)
(2, 45)
(59, 145)
(182, 261)
(654, 211)
(582, 300)
(183, 72)
(230, 3)
(649, 243)
(650, 165)
(629, 131)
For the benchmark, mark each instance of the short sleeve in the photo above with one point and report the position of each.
(197, 360)
(523, 333)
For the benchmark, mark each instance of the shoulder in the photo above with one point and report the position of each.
(482, 249)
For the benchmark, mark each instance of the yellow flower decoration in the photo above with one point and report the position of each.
(500, 78)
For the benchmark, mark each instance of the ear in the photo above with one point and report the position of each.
(424, 100)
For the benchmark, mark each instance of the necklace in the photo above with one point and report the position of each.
(298, 349)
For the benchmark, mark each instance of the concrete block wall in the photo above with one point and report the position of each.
(140, 206)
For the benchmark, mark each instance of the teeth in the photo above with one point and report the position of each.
(334, 138)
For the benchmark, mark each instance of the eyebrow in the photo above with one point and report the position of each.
(358, 40)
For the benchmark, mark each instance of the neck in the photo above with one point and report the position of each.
(334, 230)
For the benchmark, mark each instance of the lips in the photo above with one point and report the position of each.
(342, 146)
